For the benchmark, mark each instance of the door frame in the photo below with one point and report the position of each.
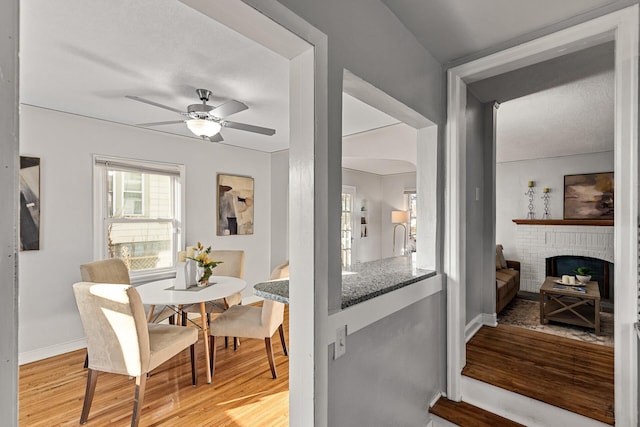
(621, 27)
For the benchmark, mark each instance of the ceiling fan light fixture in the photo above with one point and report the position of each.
(202, 127)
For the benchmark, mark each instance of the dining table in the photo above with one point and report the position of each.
(164, 293)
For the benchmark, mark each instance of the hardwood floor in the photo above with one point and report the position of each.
(466, 415)
(566, 373)
(242, 392)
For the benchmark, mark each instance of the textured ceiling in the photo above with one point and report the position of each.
(83, 57)
(559, 107)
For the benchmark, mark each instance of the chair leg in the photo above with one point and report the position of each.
(92, 378)
(236, 343)
(212, 355)
(282, 340)
(272, 364)
(226, 342)
(141, 383)
(86, 361)
(194, 367)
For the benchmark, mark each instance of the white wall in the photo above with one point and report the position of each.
(65, 143)
(279, 207)
(383, 193)
(511, 184)
(393, 199)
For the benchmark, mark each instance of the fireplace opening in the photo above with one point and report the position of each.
(566, 264)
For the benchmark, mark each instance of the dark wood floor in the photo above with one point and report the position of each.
(466, 415)
(566, 373)
(242, 393)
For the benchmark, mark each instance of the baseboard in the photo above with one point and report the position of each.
(435, 399)
(482, 319)
(53, 350)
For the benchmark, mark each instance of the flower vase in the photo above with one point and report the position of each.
(203, 280)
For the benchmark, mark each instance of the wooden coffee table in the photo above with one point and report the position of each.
(569, 306)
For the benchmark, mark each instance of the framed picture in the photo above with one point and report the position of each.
(235, 205)
(29, 203)
(588, 196)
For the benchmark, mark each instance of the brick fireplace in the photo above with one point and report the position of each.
(535, 243)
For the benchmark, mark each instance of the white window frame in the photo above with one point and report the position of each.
(100, 209)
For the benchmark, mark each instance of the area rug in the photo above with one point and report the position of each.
(526, 314)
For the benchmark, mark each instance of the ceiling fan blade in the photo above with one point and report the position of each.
(173, 122)
(216, 138)
(249, 128)
(228, 108)
(155, 104)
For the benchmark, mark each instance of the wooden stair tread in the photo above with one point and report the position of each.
(566, 373)
(466, 415)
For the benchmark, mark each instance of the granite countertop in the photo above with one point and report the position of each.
(360, 282)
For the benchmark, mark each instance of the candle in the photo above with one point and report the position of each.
(530, 184)
(572, 280)
(546, 189)
(565, 278)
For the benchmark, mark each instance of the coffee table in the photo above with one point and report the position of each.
(569, 306)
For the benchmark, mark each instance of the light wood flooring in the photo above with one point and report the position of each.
(566, 373)
(242, 392)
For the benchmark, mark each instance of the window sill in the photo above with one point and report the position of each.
(141, 278)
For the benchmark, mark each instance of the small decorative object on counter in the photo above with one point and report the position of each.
(530, 192)
(204, 264)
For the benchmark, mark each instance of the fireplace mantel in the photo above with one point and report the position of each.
(591, 222)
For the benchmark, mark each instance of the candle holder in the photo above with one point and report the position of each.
(530, 193)
(545, 197)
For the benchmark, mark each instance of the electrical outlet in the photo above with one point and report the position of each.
(340, 346)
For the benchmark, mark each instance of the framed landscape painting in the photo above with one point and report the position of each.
(588, 196)
(235, 205)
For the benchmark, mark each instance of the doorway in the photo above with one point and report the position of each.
(622, 28)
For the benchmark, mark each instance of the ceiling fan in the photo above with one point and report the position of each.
(205, 120)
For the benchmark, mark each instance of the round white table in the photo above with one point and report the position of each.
(162, 292)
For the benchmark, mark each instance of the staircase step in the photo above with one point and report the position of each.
(466, 415)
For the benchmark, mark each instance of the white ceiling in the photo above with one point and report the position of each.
(575, 118)
(83, 57)
(75, 59)
(358, 116)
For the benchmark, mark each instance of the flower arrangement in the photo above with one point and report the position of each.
(201, 256)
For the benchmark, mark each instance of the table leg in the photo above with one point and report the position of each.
(150, 316)
(205, 334)
(542, 319)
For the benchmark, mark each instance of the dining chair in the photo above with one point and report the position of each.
(120, 341)
(253, 322)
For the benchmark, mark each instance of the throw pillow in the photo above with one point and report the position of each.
(500, 257)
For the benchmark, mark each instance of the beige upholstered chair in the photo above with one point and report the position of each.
(106, 271)
(253, 322)
(120, 341)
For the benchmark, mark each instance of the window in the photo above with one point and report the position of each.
(346, 225)
(138, 214)
(412, 198)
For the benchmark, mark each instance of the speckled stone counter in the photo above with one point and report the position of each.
(360, 282)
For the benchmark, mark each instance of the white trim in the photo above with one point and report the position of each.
(435, 399)
(521, 409)
(482, 319)
(621, 26)
(361, 315)
(50, 351)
